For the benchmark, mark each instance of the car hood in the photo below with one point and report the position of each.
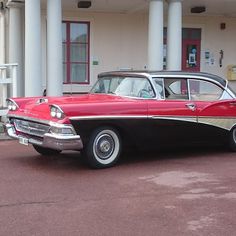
(101, 104)
(81, 105)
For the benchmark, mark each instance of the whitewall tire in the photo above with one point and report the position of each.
(104, 147)
(232, 139)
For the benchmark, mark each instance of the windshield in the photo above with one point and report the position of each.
(124, 86)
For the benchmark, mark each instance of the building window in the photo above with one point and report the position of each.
(75, 40)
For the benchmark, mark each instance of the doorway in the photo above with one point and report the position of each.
(191, 49)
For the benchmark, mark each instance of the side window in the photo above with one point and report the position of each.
(159, 86)
(106, 85)
(204, 91)
(135, 87)
(176, 89)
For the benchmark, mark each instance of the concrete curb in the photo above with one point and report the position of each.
(3, 135)
(1, 128)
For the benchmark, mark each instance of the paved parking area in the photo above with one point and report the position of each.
(166, 193)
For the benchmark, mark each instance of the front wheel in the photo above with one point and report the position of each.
(232, 140)
(103, 148)
(45, 151)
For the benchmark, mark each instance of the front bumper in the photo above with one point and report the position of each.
(49, 140)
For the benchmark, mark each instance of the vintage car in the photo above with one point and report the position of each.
(128, 109)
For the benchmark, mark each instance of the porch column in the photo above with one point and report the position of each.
(2, 36)
(33, 70)
(16, 43)
(155, 35)
(3, 87)
(174, 35)
(54, 48)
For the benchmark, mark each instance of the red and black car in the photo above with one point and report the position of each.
(138, 108)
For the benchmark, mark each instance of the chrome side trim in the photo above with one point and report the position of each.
(226, 123)
(184, 118)
(112, 117)
(201, 77)
(221, 122)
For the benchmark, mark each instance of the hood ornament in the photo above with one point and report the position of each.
(42, 100)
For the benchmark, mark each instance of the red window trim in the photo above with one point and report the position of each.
(68, 62)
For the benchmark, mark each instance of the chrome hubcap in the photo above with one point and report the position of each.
(104, 146)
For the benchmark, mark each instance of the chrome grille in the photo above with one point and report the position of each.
(31, 128)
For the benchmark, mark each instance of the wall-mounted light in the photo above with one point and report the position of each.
(199, 9)
(84, 4)
(2, 6)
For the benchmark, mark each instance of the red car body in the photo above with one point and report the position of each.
(138, 109)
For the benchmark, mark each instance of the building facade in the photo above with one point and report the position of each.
(61, 45)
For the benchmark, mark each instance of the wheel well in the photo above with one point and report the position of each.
(113, 126)
(86, 128)
(234, 127)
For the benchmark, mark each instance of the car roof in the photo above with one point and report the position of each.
(167, 74)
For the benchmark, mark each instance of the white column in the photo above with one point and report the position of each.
(33, 70)
(174, 35)
(3, 87)
(16, 44)
(2, 36)
(155, 35)
(54, 48)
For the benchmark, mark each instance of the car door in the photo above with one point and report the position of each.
(216, 110)
(173, 116)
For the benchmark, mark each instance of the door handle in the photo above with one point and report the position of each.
(191, 106)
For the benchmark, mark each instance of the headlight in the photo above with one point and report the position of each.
(56, 112)
(11, 105)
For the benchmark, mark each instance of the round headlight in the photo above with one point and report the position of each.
(53, 111)
(14, 107)
(59, 114)
(11, 105)
(56, 112)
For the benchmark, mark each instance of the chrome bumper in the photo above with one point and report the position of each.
(49, 140)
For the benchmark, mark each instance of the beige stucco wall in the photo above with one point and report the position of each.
(215, 39)
(119, 41)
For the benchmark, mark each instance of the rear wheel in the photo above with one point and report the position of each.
(103, 148)
(232, 140)
(45, 151)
